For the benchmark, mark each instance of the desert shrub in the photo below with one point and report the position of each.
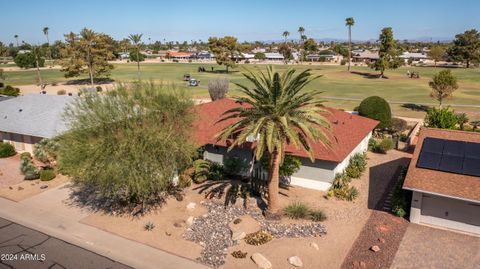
(61, 92)
(25, 155)
(184, 181)
(346, 193)
(258, 238)
(442, 118)
(200, 171)
(46, 151)
(353, 171)
(233, 166)
(28, 169)
(372, 144)
(10, 91)
(317, 215)
(218, 88)
(99, 88)
(401, 198)
(47, 174)
(399, 125)
(357, 165)
(376, 108)
(238, 254)
(149, 226)
(6, 150)
(297, 210)
(341, 180)
(343, 62)
(216, 171)
(385, 145)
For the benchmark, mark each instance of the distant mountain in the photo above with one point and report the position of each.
(372, 40)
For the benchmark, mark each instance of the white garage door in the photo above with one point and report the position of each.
(451, 209)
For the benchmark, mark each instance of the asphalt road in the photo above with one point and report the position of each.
(24, 248)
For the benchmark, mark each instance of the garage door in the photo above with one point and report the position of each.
(451, 209)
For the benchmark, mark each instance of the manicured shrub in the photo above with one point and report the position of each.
(6, 150)
(258, 238)
(61, 92)
(317, 215)
(297, 210)
(442, 118)
(218, 88)
(47, 174)
(376, 108)
(10, 91)
(25, 155)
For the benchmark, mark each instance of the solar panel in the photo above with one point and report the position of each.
(450, 156)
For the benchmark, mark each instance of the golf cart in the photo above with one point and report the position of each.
(186, 77)
(193, 82)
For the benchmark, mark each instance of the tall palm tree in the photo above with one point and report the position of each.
(279, 113)
(36, 54)
(301, 32)
(87, 41)
(285, 35)
(16, 38)
(45, 32)
(136, 39)
(349, 22)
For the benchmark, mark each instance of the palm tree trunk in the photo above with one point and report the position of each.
(90, 67)
(138, 66)
(39, 77)
(349, 46)
(273, 182)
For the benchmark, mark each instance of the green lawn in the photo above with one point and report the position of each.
(335, 82)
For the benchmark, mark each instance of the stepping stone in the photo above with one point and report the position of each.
(191, 206)
(314, 245)
(261, 261)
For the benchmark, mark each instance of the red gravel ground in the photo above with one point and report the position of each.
(10, 171)
(383, 230)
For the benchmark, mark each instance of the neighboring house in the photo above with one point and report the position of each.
(25, 120)
(329, 57)
(365, 56)
(350, 135)
(273, 56)
(179, 55)
(414, 57)
(444, 176)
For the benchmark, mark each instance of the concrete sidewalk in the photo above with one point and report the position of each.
(49, 213)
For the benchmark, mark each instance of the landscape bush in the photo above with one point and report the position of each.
(29, 170)
(357, 165)
(348, 193)
(201, 170)
(10, 91)
(297, 210)
(25, 155)
(399, 125)
(442, 118)
(317, 215)
(401, 198)
(218, 88)
(6, 150)
(258, 238)
(47, 174)
(61, 92)
(377, 108)
(27, 60)
(99, 88)
(383, 146)
(216, 171)
(46, 151)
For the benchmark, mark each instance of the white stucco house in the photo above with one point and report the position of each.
(25, 120)
(350, 135)
(444, 176)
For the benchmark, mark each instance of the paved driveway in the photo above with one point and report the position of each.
(10, 171)
(424, 247)
(21, 247)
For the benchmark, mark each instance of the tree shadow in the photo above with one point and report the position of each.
(382, 181)
(87, 81)
(221, 71)
(416, 107)
(368, 75)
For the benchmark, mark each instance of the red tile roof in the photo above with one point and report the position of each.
(443, 183)
(348, 130)
(179, 54)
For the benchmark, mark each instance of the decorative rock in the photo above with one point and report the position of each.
(237, 221)
(191, 206)
(178, 224)
(238, 235)
(375, 248)
(295, 261)
(190, 221)
(261, 261)
(43, 187)
(167, 233)
(314, 245)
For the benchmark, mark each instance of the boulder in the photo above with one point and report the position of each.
(238, 235)
(295, 261)
(314, 245)
(246, 224)
(375, 248)
(189, 221)
(191, 206)
(261, 261)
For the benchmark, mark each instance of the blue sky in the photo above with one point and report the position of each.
(247, 20)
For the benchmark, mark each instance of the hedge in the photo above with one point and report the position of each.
(376, 108)
(6, 150)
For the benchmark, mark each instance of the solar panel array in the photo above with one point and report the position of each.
(452, 156)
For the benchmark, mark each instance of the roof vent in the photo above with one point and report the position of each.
(20, 110)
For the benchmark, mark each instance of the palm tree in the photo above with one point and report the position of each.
(87, 41)
(349, 22)
(45, 32)
(36, 55)
(16, 38)
(285, 35)
(136, 39)
(278, 113)
(301, 31)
